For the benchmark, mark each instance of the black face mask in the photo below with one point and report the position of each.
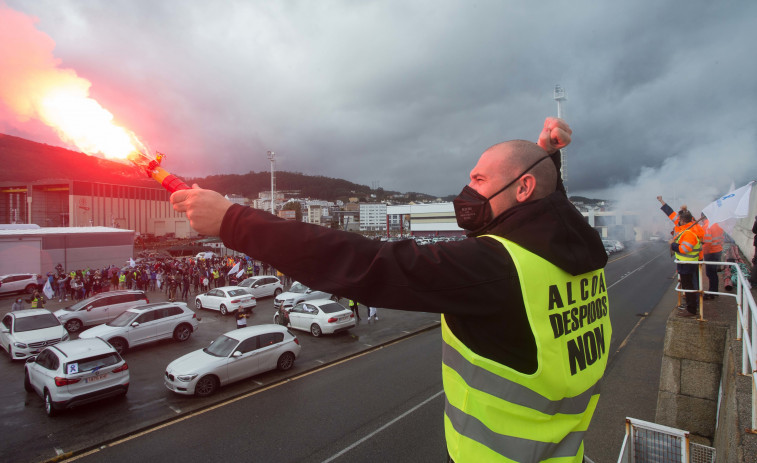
(472, 209)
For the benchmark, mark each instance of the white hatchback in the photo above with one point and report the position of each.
(76, 372)
(226, 299)
(18, 282)
(233, 356)
(320, 316)
(147, 323)
(262, 286)
(26, 332)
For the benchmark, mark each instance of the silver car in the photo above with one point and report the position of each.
(262, 286)
(100, 308)
(299, 293)
(18, 282)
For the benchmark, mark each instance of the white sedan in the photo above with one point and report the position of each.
(226, 299)
(233, 356)
(319, 316)
(24, 333)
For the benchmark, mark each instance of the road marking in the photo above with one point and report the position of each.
(147, 404)
(257, 382)
(365, 438)
(628, 274)
(58, 451)
(320, 361)
(238, 398)
(176, 410)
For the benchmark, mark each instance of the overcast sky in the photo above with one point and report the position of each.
(661, 96)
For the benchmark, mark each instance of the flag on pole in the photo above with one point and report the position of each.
(48, 289)
(727, 209)
(234, 269)
(132, 263)
(240, 273)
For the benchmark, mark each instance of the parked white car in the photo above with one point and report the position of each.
(147, 323)
(18, 282)
(226, 299)
(319, 316)
(76, 372)
(100, 308)
(233, 356)
(299, 293)
(262, 286)
(26, 332)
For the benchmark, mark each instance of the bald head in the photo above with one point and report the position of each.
(515, 156)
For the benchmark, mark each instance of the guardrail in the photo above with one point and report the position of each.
(746, 328)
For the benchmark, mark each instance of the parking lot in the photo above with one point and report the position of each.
(148, 401)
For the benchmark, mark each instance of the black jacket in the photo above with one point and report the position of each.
(473, 282)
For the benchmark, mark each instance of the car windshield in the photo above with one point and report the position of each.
(35, 322)
(247, 282)
(298, 288)
(331, 308)
(222, 346)
(78, 306)
(124, 319)
(238, 292)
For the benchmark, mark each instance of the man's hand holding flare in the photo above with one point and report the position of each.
(555, 135)
(204, 208)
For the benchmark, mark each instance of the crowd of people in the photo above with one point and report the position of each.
(178, 278)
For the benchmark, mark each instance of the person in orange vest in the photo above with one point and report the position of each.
(687, 246)
(712, 248)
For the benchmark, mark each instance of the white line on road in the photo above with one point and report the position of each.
(176, 410)
(355, 444)
(58, 451)
(633, 271)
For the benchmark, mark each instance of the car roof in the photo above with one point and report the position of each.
(243, 333)
(29, 312)
(21, 274)
(83, 347)
(153, 305)
(227, 288)
(320, 302)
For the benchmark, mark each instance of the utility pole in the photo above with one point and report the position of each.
(559, 97)
(272, 158)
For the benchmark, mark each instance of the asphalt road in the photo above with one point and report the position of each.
(384, 405)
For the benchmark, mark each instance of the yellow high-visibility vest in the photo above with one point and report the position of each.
(495, 413)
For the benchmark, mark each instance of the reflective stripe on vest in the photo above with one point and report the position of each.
(692, 254)
(494, 413)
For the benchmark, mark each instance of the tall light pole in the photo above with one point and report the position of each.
(272, 158)
(559, 96)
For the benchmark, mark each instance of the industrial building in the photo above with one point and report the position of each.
(73, 203)
(39, 250)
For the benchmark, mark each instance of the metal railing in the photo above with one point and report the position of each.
(647, 442)
(746, 326)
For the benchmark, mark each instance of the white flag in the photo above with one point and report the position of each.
(132, 263)
(727, 209)
(234, 269)
(241, 272)
(48, 289)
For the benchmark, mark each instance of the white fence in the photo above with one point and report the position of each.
(746, 328)
(647, 442)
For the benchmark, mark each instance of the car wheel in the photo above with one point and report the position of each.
(30, 289)
(207, 385)
(73, 325)
(286, 361)
(315, 330)
(182, 332)
(28, 384)
(276, 292)
(49, 406)
(119, 344)
(198, 304)
(224, 311)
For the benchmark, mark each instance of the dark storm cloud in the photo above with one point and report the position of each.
(408, 94)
